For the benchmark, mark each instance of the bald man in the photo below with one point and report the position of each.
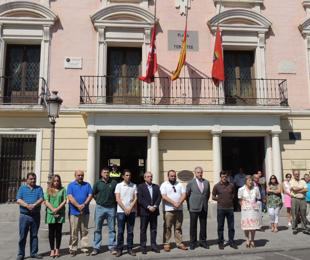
(79, 195)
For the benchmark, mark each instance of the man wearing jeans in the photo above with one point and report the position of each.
(79, 194)
(103, 193)
(29, 198)
(224, 192)
(126, 198)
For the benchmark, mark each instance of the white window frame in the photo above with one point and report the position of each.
(131, 28)
(33, 28)
(250, 35)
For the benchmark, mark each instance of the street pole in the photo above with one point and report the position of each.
(52, 151)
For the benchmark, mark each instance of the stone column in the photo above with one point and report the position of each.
(276, 155)
(155, 155)
(217, 154)
(91, 173)
(268, 157)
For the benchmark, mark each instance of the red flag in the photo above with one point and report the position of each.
(218, 63)
(151, 66)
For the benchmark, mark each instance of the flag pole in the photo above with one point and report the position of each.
(186, 15)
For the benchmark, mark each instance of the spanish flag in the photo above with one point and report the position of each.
(218, 63)
(182, 57)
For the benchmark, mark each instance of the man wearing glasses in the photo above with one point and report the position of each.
(79, 195)
(29, 198)
(173, 195)
(198, 194)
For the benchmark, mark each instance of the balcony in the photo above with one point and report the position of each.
(183, 91)
(21, 91)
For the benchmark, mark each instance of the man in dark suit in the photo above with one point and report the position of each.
(198, 194)
(149, 198)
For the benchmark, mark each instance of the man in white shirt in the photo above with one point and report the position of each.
(173, 196)
(126, 198)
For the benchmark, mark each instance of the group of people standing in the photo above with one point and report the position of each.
(120, 200)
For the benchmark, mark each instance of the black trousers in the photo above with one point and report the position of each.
(202, 215)
(229, 215)
(144, 222)
(54, 233)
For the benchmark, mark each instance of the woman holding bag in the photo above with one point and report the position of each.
(55, 201)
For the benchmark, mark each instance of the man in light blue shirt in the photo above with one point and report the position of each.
(307, 180)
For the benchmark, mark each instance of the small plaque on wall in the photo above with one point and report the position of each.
(294, 135)
(175, 40)
(185, 175)
(299, 164)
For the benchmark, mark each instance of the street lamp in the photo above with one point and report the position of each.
(53, 103)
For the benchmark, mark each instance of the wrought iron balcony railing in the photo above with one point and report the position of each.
(20, 91)
(183, 91)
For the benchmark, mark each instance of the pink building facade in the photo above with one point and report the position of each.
(92, 52)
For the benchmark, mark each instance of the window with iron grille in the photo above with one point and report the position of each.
(17, 158)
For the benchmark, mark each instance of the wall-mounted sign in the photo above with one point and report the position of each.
(73, 62)
(175, 40)
(185, 175)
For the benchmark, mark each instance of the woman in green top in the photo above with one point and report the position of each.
(274, 202)
(55, 201)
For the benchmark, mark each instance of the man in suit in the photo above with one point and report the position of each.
(149, 198)
(198, 194)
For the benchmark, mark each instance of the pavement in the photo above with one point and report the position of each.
(279, 245)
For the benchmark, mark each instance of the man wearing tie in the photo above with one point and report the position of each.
(149, 198)
(198, 194)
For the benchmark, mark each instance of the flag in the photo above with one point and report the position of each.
(182, 57)
(151, 65)
(218, 63)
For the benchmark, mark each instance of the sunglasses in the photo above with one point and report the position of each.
(174, 189)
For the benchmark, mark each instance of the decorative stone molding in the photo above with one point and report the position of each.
(182, 5)
(249, 4)
(247, 20)
(22, 21)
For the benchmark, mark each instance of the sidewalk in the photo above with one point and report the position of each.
(265, 240)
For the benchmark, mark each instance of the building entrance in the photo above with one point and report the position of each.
(245, 152)
(127, 152)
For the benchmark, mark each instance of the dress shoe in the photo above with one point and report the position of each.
(155, 250)
(20, 257)
(295, 232)
(167, 247)
(221, 246)
(36, 257)
(143, 250)
(192, 246)
(233, 245)
(118, 254)
(204, 245)
(182, 247)
(131, 252)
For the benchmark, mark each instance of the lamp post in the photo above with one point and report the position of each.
(53, 103)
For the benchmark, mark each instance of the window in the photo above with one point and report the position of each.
(239, 77)
(124, 68)
(22, 74)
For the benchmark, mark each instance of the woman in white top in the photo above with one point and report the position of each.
(248, 196)
(287, 200)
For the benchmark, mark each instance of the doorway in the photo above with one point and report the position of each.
(127, 152)
(245, 152)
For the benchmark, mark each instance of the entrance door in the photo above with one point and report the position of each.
(239, 73)
(124, 68)
(128, 152)
(245, 152)
(22, 74)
